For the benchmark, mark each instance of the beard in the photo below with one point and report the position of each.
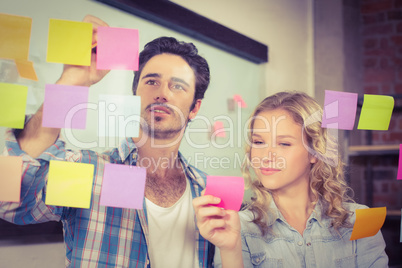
(160, 127)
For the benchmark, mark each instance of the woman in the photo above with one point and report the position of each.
(300, 214)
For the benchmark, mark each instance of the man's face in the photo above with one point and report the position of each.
(167, 89)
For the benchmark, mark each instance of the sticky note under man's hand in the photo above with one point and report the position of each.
(229, 189)
(69, 184)
(10, 178)
(376, 112)
(123, 186)
(69, 42)
(368, 222)
(15, 32)
(118, 49)
(13, 99)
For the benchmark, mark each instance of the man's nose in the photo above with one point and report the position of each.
(162, 93)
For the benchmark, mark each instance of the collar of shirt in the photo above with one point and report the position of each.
(276, 215)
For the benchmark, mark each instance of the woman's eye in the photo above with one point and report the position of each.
(284, 144)
(257, 142)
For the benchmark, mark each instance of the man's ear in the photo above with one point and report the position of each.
(195, 110)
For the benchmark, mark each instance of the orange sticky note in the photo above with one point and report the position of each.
(10, 178)
(368, 222)
(26, 70)
(15, 32)
(69, 42)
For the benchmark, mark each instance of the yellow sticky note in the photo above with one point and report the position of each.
(13, 100)
(10, 178)
(15, 34)
(26, 70)
(69, 184)
(368, 222)
(69, 42)
(376, 112)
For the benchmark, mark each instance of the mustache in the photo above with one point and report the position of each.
(159, 104)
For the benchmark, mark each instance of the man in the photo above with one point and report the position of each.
(171, 80)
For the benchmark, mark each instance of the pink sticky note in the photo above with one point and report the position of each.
(117, 49)
(219, 131)
(339, 110)
(65, 106)
(240, 102)
(399, 176)
(123, 186)
(10, 178)
(229, 189)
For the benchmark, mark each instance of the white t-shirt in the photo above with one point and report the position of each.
(172, 237)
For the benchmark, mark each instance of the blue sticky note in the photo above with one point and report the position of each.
(119, 116)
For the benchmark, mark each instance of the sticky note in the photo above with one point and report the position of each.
(69, 184)
(376, 112)
(65, 106)
(26, 69)
(123, 186)
(10, 178)
(219, 131)
(229, 189)
(368, 222)
(399, 175)
(118, 48)
(69, 42)
(119, 115)
(400, 238)
(13, 99)
(339, 110)
(15, 32)
(240, 102)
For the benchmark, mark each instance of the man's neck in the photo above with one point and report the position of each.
(165, 178)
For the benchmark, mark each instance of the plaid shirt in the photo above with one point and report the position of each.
(99, 236)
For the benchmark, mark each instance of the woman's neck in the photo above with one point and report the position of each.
(296, 208)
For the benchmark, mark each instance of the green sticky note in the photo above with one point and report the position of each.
(13, 100)
(69, 184)
(15, 32)
(69, 42)
(376, 112)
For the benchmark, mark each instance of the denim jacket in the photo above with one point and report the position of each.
(320, 245)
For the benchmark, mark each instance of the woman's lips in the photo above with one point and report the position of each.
(269, 171)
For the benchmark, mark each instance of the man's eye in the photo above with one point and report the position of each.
(179, 87)
(151, 82)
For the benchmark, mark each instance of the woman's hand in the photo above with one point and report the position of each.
(220, 227)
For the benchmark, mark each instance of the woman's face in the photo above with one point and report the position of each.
(278, 154)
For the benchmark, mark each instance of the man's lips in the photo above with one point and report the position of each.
(159, 109)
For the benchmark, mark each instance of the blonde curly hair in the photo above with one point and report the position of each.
(327, 182)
